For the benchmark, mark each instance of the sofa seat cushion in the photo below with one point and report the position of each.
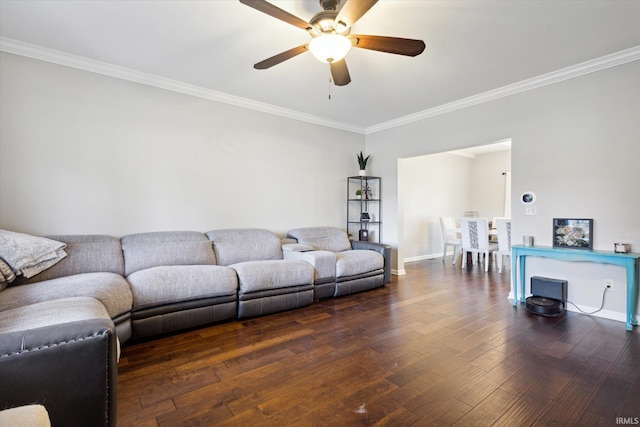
(111, 289)
(256, 276)
(350, 263)
(51, 312)
(170, 284)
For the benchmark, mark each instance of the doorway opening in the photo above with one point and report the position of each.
(469, 182)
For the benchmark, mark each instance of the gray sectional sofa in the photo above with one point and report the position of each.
(60, 331)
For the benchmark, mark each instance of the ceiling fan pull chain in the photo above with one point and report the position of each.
(330, 81)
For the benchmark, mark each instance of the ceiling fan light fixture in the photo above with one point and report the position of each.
(330, 47)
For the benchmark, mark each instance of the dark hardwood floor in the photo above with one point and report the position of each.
(437, 346)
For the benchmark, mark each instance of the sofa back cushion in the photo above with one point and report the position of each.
(86, 253)
(165, 248)
(232, 246)
(322, 238)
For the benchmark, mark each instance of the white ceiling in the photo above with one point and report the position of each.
(473, 47)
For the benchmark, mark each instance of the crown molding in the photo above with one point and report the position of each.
(86, 64)
(608, 61)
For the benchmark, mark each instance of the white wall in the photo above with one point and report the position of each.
(575, 143)
(487, 183)
(433, 186)
(86, 153)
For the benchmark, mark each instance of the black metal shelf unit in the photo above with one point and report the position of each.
(364, 208)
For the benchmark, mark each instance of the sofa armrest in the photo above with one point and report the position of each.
(323, 262)
(382, 248)
(70, 368)
(296, 247)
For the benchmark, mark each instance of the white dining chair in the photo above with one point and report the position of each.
(450, 237)
(493, 233)
(475, 239)
(503, 227)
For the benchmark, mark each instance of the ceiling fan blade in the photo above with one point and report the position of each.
(281, 57)
(271, 10)
(340, 73)
(353, 10)
(399, 46)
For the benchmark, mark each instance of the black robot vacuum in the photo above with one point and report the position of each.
(544, 306)
(549, 296)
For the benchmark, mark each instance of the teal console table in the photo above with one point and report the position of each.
(628, 261)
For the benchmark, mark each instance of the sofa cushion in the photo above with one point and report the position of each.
(264, 275)
(322, 238)
(112, 290)
(233, 246)
(52, 312)
(89, 253)
(350, 263)
(170, 284)
(296, 247)
(146, 250)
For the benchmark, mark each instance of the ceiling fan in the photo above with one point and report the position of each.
(331, 35)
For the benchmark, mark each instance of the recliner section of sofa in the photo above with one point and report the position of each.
(359, 266)
(176, 283)
(267, 283)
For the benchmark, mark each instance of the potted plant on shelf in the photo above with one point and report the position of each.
(358, 193)
(362, 161)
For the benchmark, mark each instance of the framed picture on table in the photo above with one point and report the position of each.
(573, 233)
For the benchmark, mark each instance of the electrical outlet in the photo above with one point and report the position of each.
(608, 283)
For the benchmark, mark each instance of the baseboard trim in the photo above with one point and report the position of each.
(428, 256)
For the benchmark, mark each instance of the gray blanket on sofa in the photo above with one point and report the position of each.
(26, 255)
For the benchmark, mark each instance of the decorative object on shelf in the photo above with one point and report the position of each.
(358, 194)
(622, 248)
(573, 233)
(363, 235)
(366, 190)
(362, 162)
(364, 216)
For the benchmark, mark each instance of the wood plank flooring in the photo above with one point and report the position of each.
(437, 346)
